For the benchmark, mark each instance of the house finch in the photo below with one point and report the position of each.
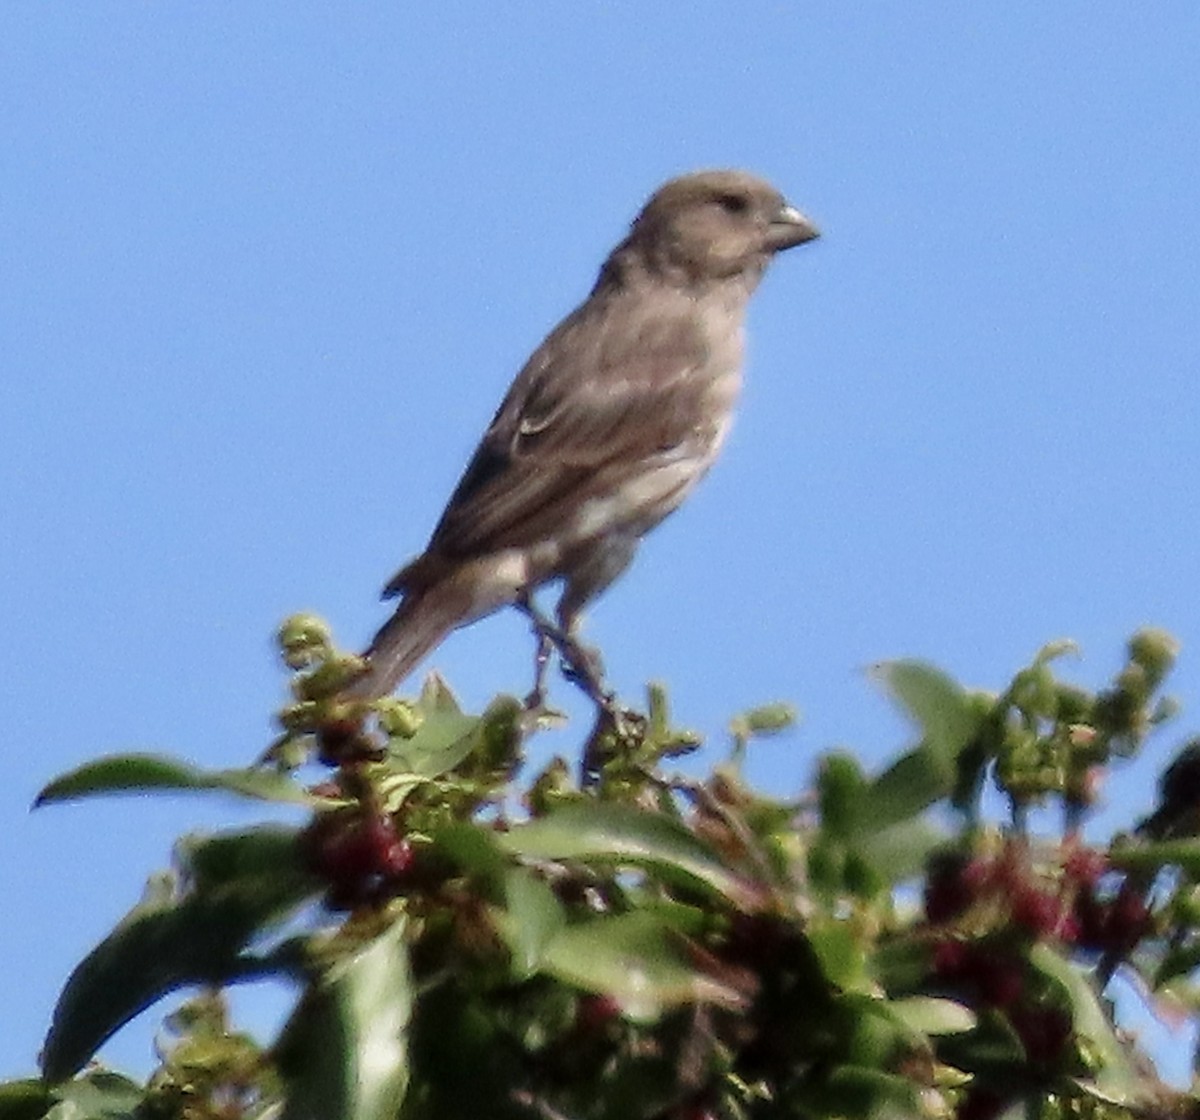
(612, 421)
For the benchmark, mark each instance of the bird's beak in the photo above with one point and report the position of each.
(789, 227)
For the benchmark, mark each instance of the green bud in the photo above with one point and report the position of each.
(398, 717)
(981, 703)
(1154, 650)
(1072, 704)
(768, 719)
(291, 751)
(657, 708)
(1134, 682)
(551, 787)
(304, 640)
(328, 678)
(299, 717)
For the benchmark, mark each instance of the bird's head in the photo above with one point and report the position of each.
(716, 224)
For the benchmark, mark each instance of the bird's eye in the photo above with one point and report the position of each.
(733, 203)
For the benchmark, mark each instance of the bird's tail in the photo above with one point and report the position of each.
(420, 623)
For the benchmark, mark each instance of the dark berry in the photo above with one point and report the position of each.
(1091, 920)
(954, 884)
(338, 740)
(1128, 919)
(1001, 980)
(980, 1104)
(354, 853)
(1044, 1032)
(1038, 912)
(593, 1012)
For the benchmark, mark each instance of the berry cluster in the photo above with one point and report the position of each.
(361, 856)
(989, 908)
(1068, 904)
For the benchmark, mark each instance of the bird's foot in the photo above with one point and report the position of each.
(581, 664)
(584, 668)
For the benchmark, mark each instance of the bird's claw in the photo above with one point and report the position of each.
(581, 665)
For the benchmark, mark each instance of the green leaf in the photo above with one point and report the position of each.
(932, 1015)
(950, 720)
(437, 695)
(26, 1099)
(938, 704)
(1184, 854)
(1116, 1078)
(626, 835)
(530, 920)
(474, 848)
(440, 744)
(863, 1092)
(138, 773)
(840, 953)
(101, 1095)
(465, 1064)
(231, 888)
(841, 789)
(1179, 961)
(343, 1053)
(908, 787)
(640, 963)
(901, 851)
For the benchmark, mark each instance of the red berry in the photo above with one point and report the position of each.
(1037, 912)
(997, 977)
(950, 960)
(1068, 927)
(592, 1013)
(352, 852)
(398, 858)
(1084, 866)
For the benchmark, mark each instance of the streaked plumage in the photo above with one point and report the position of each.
(609, 425)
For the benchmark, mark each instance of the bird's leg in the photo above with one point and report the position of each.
(583, 667)
(541, 659)
(585, 578)
(542, 628)
(581, 664)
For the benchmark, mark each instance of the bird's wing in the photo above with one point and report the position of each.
(611, 388)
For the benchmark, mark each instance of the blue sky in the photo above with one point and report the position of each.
(269, 266)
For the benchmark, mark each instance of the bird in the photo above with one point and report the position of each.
(604, 432)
